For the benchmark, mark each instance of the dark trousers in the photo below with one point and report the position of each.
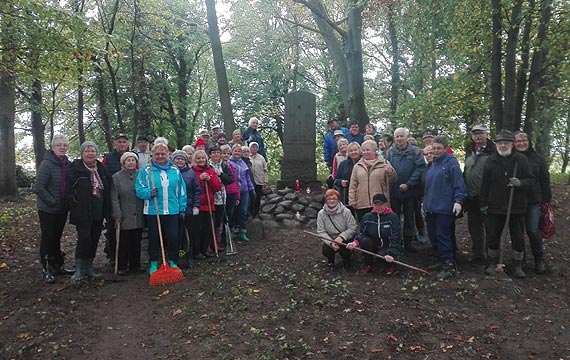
(405, 207)
(169, 226)
(476, 225)
(219, 217)
(257, 202)
(495, 224)
(360, 213)
(419, 219)
(345, 254)
(242, 215)
(203, 230)
(88, 235)
(51, 227)
(439, 227)
(231, 208)
(130, 249)
(372, 245)
(110, 239)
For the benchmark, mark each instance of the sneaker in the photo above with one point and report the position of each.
(390, 270)
(367, 269)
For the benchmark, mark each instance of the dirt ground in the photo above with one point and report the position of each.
(276, 299)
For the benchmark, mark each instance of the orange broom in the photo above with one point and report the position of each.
(165, 273)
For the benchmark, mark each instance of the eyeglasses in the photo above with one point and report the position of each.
(61, 145)
(334, 198)
(521, 141)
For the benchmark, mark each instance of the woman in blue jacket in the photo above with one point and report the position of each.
(444, 195)
(162, 180)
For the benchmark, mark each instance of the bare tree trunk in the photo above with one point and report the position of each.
(537, 104)
(523, 68)
(8, 186)
(102, 102)
(38, 128)
(220, 67)
(496, 76)
(395, 68)
(511, 67)
(80, 106)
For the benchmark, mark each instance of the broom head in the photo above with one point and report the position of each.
(166, 275)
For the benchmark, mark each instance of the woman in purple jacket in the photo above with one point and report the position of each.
(245, 187)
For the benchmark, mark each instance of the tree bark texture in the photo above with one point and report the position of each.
(220, 67)
(496, 65)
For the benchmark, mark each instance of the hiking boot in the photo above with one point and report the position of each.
(153, 267)
(367, 269)
(492, 262)
(517, 265)
(59, 269)
(408, 247)
(446, 273)
(243, 237)
(539, 266)
(47, 276)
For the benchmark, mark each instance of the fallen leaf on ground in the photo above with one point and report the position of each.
(3, 265)
(376, 350)
(24, 336)
(177, 312)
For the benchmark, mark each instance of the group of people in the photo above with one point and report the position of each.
(377, 181)
(187, 195)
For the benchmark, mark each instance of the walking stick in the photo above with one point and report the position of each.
(325, 240)
(117, 239)
(505, 234)
(211, 219)
(165, 274)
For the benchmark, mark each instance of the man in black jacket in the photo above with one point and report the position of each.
(112, 162)
(505, 171)
(479, 151)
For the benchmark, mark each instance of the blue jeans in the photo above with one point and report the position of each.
(439, 231)
(242, 211)
(169, 226)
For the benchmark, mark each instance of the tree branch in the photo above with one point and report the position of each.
(315, 10)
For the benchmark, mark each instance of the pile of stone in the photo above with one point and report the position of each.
(290, 208)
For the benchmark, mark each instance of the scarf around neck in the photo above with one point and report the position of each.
(96, 182)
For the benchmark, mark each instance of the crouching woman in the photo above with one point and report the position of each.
(380, 232)
(336, 223)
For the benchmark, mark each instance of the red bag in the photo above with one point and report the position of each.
(546, 221)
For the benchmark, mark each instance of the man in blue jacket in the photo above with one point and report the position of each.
(329, 147)
(409, 164)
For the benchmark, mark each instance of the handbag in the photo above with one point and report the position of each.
(546, 222)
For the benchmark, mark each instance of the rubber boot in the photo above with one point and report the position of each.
(172, 264)
(492, 261)
(153, 267)
(539, 265)
(80, 268)
(408, 247)
(517, 265)
(89, 271)
(243, 237)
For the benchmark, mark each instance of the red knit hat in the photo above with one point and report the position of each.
(199, 142)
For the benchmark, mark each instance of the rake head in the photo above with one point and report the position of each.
(166, 275)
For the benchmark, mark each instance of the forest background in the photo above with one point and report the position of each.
(94, 68)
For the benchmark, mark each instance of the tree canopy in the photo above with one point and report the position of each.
(92, 68)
